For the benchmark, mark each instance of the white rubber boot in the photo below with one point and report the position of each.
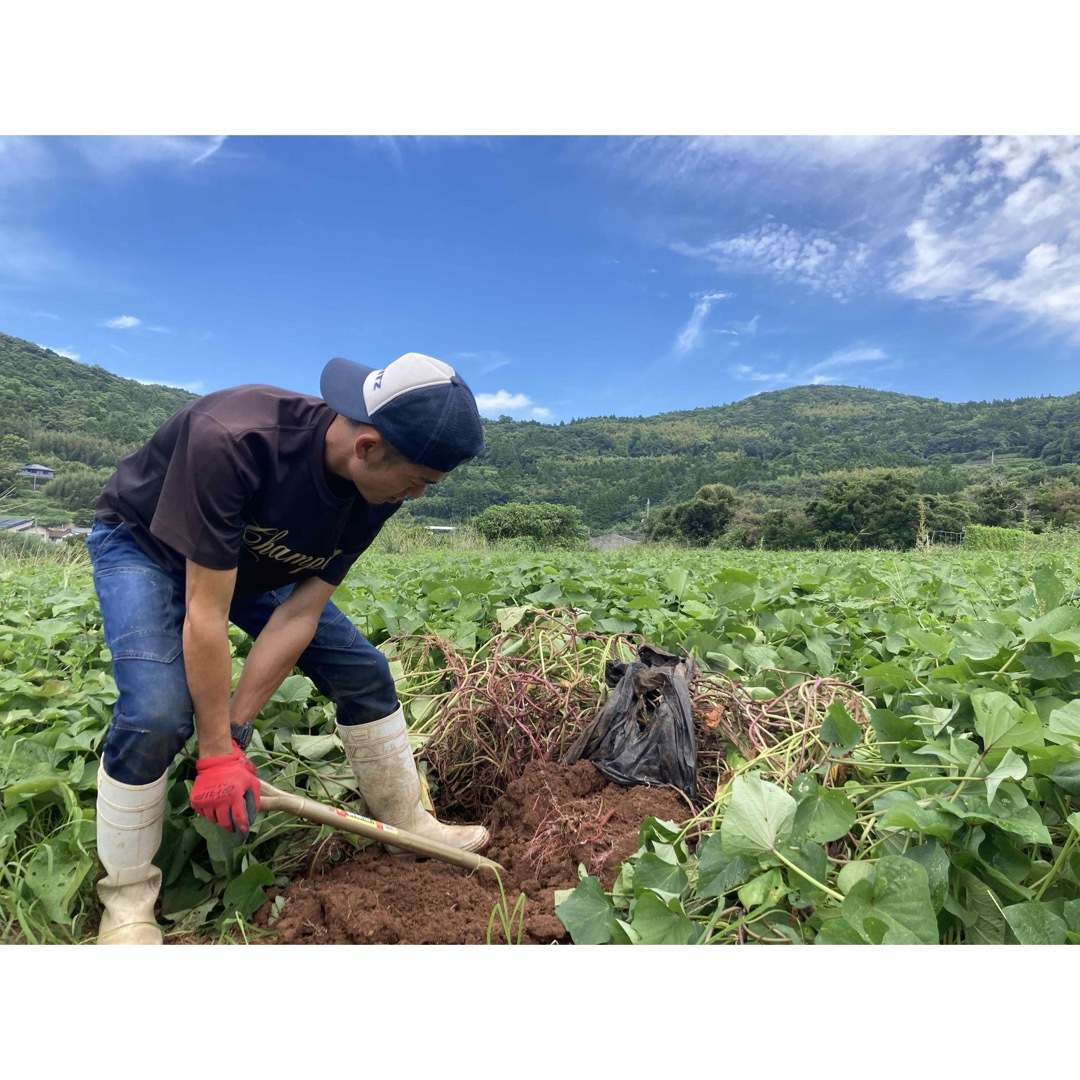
(385, 771)
(129, 821)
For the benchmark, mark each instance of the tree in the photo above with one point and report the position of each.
(545, 524)
(867, 511)
(699, 521)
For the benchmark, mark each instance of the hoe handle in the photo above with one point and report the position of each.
(348, 821)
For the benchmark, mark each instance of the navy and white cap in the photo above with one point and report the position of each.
(420, 405)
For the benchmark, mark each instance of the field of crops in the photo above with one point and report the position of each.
(899, 740)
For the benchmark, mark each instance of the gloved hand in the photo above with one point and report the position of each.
(226, 790)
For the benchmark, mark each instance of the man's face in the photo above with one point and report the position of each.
(381, 478)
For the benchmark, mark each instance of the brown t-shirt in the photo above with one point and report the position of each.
(236, 479)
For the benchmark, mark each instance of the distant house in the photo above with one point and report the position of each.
(37, 472)
(611, 541)
(42, 472)
(17, 524)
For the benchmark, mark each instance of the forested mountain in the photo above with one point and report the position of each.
(783, 445)
(76, 411)
(777, 449)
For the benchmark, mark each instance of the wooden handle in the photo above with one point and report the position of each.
(348, 821)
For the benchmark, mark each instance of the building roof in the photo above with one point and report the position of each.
(11, 523)
(39, 468)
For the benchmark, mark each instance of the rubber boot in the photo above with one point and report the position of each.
(129, 821)
(385, 771)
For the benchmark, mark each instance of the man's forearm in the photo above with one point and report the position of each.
(208, 667)
(273, 655)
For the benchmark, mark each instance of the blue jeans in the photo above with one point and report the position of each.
(142, 610)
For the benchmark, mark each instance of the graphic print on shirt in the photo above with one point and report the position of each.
(263, 540)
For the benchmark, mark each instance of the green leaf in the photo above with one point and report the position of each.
(1067, 777)
(839, 729)
(758, 818)
(983, 919)
(980, 640)
(1011, 767)
(1048, 588)
(719, 872)
(894, 907)
(1066, 720)
(1011, 812)
(659, 923)
(244, 894)
(822, 814)
(652, 872)
(933, 859)
(1001, 722)
(294, 689)
(765, 890)
(587, 914)
(1034, 923)
(812, 861)
(902, 811)
(53, 874)
(839, 932)
(314, 747)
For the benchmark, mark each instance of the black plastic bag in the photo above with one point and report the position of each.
(644, 733)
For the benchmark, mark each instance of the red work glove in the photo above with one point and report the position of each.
(226, 790)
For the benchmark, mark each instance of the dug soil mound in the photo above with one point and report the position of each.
(550, 820)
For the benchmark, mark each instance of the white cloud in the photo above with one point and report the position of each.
(751, 374)
(61, 352)
(1001, 226)
(43, 315)
(504, 403)
(689, 336)
(820, 261)
(122, 322)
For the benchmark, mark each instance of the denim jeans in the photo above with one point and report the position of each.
(142, 610)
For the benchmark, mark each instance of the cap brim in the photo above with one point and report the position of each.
(342, 388)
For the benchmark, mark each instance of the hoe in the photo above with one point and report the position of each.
(347, 821)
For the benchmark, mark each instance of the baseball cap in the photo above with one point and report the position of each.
(417, 403)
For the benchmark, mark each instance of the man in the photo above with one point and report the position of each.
(249, 506)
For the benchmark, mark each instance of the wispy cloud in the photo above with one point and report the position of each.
(480, 363)
(824, 371)
(689, 337)
(69, 353)
(832, 264)
(133, 322)
(43, 315)
(845, 357)
(752, 374)
(112, 154)
(504, 403)
(27, 256)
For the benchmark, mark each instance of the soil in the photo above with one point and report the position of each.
(549, 820)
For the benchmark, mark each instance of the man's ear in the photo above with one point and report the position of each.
(364, 443)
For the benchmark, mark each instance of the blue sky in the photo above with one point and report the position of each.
(566, 263)
(563, 276)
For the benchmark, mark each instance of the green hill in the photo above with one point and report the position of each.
(77, 419)
(779, 448)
